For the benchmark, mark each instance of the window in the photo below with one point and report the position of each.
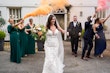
(101, 14)
(15, 13)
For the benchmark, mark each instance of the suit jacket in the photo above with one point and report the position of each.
(88, 31)
(74, 31)
(87, 24)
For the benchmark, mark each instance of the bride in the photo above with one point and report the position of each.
(54, 51)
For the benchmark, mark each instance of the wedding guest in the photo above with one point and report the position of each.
(23, 37)
(74, 30)
(100, 41)
(15, 52)
(31, 40)
(88, 38)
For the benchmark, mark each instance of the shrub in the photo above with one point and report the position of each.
(2, 35)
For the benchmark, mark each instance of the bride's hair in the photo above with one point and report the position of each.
(49, 22)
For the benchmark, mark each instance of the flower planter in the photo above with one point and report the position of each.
(40, 45)
(1, 44)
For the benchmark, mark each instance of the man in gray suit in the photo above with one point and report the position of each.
(74, 30)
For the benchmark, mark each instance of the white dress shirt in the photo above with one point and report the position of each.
(74, 23)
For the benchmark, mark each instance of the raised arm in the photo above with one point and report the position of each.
(20, 22)
(14, 25)
(94, 14)
(106, 19)
(92, 17)
(21, 26)
(59, 28)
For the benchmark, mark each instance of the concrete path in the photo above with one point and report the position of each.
(34, 63)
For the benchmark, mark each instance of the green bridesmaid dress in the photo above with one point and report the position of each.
(31, 42)
(23, 42)
(15, 53)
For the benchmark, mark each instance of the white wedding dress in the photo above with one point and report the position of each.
(54, 52)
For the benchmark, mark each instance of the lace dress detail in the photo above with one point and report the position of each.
(53, 63)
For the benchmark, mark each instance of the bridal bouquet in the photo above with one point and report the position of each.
(39, 32)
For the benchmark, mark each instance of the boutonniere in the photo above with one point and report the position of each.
(78, 23)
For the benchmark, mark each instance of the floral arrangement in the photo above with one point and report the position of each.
(39, 32)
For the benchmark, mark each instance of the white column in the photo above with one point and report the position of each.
(65, 24)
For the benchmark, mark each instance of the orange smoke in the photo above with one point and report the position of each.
(42, 10)
(46, 6)
(58, 4)
(44, 2)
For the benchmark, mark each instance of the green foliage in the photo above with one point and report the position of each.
(2, 21)
(82, 33)
(2, 35)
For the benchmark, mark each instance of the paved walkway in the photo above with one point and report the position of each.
(34, 63)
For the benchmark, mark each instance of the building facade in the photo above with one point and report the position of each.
(81, 8)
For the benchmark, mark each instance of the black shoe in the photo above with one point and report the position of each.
(75, 55)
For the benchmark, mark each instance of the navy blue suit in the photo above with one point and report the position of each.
(88, 39)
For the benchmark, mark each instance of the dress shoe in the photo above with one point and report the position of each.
(72, 53)
(75, 55)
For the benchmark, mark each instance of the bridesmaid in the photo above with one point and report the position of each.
(31, 40)
(15, 52)
(23, 38)
(100, 41)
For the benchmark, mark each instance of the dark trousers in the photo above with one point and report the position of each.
(74, 44)
(88, 44)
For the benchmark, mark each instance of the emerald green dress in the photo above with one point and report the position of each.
(23, 42)
(15, 53)
(30, 42)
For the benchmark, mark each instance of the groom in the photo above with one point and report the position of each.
(74, 30)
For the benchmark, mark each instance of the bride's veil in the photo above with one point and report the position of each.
(61, 47)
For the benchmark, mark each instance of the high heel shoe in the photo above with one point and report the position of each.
(101, 56)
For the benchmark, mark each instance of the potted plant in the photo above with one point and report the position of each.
(2, 36)
(2, 21)
(39, 33)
